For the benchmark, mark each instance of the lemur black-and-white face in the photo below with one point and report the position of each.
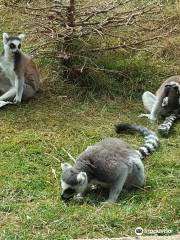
(12, 44)
(72, 182)
(174, 85)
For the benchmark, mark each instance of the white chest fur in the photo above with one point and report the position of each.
(8, 70)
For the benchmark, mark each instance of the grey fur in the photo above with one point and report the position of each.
(172, 103)
(111, 163)
(13, 86)
(155, 103)
(170, 91)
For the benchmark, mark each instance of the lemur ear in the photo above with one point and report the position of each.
(21, 36)
(65, 166)
(81, 177)
(5, 38)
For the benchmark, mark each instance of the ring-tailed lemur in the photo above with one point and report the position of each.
(19, 76)
(171, 108)
(165, 102)
(171, 102)
(111, 163)
(169, 97)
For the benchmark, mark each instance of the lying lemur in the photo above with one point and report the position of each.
(165, 102)
(19, 76)
(111, 163)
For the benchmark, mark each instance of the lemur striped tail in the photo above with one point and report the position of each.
(165, 127)
(151, 140)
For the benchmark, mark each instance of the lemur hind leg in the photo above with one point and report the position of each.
(136, 178)
(149, 100)
(28, 92)
(9, 95)
(117, 187)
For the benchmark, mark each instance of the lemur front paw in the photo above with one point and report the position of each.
(151, 118)
(165, 102)
(17, 100)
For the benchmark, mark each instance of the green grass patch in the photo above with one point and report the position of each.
(33, 136)
(71, 116)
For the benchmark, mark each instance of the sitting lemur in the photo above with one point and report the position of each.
(19, 76)
(165, 103)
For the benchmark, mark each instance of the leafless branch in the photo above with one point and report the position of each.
(78, 28)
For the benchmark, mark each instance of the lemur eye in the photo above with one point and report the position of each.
(19, 46)
(12, 46)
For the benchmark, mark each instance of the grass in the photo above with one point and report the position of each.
(33, 136)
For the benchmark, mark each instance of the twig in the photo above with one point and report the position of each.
(69, 155)
(57, 159)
